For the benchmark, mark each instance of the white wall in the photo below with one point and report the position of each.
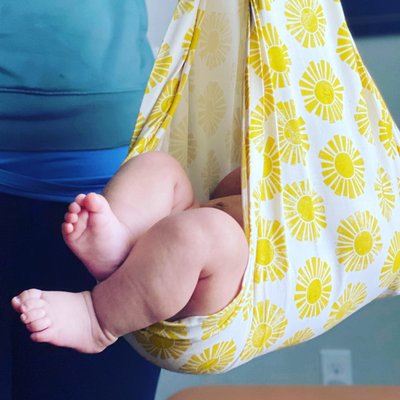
(381, 55)
(160, 13)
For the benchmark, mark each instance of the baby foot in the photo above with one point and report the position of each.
(93, 232)
(62, 319)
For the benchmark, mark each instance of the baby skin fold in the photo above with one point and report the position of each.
(156, 252)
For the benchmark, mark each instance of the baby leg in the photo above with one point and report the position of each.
(148, 188)
(101, 230)
(189, 263)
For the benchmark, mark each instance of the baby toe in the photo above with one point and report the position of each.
(39, 324)
(43, 336)
(74, 207)
(71, 218)
(32, 304)
(28, 294)
(16, 303)
(67, 228)
(94, 202)
(33, 315)
(79, 199)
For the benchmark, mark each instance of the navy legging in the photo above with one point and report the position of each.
(33, 255)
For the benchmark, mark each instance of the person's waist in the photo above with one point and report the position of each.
(57, 175)
(63, 165)
(33, 121)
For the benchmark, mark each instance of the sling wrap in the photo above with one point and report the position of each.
(278, 87)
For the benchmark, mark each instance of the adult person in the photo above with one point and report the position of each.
(72, 75)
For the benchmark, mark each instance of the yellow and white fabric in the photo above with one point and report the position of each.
(279, 86)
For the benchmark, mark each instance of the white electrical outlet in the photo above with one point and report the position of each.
(336, 367)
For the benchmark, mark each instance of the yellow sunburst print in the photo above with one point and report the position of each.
(219, 321)
(212, 360)
(271, 178)
(258, 126)
(299, 337)
(216, 39)
(211, 172)
(386, 134)
(191, 151)
(237, 135)
(255, 56)
(190, 43)
(245, 164)
(247, 306)
(164, 340)
(183, 7)
(346, 48)
(255, 60)
(359, 241)
(161, 67)
(350, 301)
(211, 108)
(246, 211)
(322, 91)
(246, 87)
(165, 107)
(268, 99)
(306, 22)
(293, 138)
(233, 139)
(264, 4)
(398, 185)
(381, 100)
(138, 128)
(363, 120)
(182, 144)
(304, 211)
(343, 168)
(279, 61)
(313, 288)
(365, 77)
(259, 195)
(259, 116)
(391, 268)
(144, 144)
(271, 261)
(243, 6)
(384, 190)
(395, 286)
(268, 326)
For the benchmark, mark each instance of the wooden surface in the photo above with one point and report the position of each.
(265, 392)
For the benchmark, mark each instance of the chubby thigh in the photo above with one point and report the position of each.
(225, 247)
(208, 335)
(190, 263)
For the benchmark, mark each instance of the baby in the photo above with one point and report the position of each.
(157, 254)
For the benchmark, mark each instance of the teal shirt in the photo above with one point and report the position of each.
(72, 73)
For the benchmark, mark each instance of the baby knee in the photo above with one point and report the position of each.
(159, 159)
(222, 234)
